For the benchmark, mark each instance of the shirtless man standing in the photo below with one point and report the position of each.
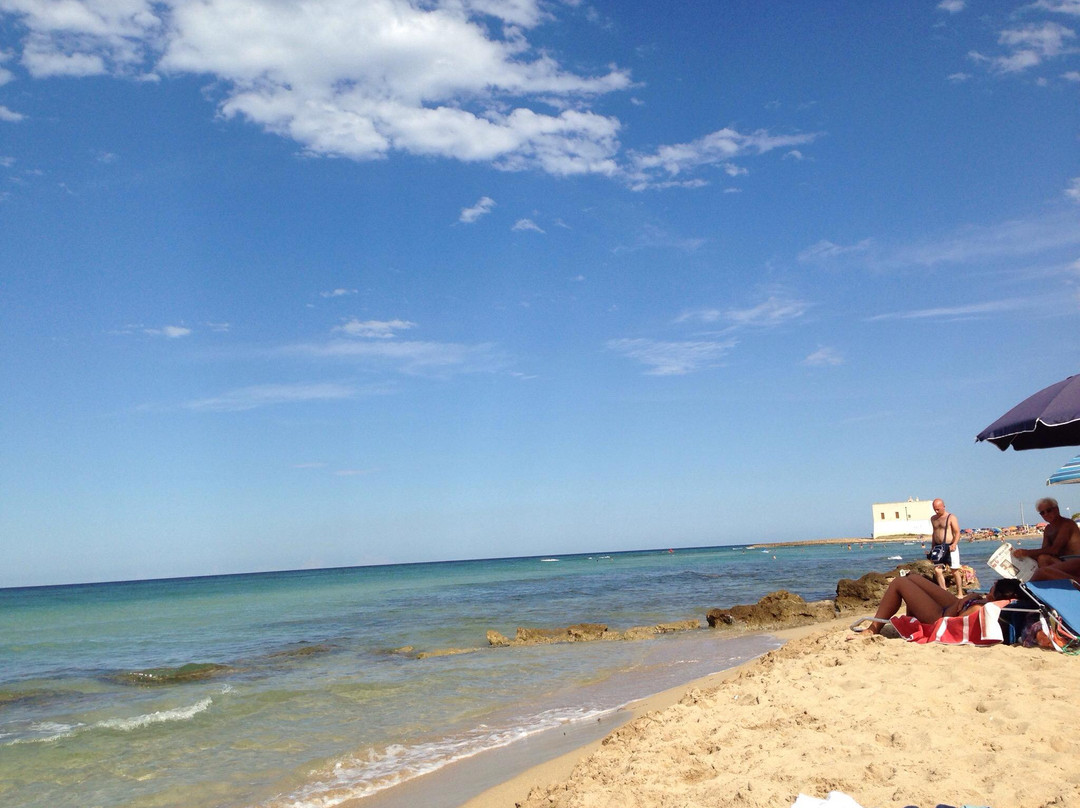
(1059, 555)
(947, 531)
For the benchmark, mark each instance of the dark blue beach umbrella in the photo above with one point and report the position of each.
(1069, 473)
(1049, 418)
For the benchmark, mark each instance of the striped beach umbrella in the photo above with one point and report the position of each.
(1069, 473)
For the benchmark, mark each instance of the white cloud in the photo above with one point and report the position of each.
(170, 331)
(482, 207)
(527, 224)
(999, 242)
(250, 398)
(366, 79)
(951, 6)
(673, 358)
(1059, 6)
(354, 78)
(652, 237)
(824, 357)
(412, 357)
(963, 312)
(378, 329)
(1073, 189)
(363, 78)
(1022, 237)
(338, 293)
(717, 148)
(825, 250)
(1032, 44)
(10, 115)
(676, 358)
(772, 312)
(958, 78)
(1071, 75)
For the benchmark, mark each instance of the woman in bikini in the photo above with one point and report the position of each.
(927, 602)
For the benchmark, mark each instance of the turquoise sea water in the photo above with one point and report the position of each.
(302, 689)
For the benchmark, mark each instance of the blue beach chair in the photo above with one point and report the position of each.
(1058, 603)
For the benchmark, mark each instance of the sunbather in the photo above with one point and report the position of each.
(927, 602)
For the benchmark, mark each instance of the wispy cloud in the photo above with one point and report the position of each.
(481, 208)
(1072, 191)
(951, 6)
(652, 237)
(10, 116)
(527, 224)
(170, 331)
(716, 338)
(1031, 44)
(266, 395)
(1071, 7)
(410, 357)
(1001, 241)
(338, 293)
(673, 358)
(824, 357)
(825, 250)
(770, 313)
(378, 329)
(962, 312)
(669, 164)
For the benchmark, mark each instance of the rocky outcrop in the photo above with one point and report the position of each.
(780, 609)
(445, 652)
(777, 610)
(585, 632)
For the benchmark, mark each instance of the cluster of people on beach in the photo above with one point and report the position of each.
(1058, 557)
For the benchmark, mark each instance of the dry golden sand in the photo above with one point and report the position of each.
(887, 722)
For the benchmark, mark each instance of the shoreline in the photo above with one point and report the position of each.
(502, 777)
(548, 773)
(905, 539)
(822, 714)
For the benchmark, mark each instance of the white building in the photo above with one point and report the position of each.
(911, 518)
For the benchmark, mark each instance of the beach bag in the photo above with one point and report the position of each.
(939, 554)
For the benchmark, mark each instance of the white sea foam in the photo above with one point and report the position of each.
(43, 732)
(159, 717)
(361, 776)
(49, 731)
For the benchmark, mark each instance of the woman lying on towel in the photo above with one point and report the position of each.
(927, 602)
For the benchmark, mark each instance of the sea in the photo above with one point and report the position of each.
(311, 688)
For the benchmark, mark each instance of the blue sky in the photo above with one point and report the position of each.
(365, 281)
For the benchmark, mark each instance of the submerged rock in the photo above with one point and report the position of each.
(585, 632)
(445, 652)
(192, 672)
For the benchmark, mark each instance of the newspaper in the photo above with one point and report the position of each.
(1005, 564)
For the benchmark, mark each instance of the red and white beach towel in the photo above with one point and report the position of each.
(981, 627)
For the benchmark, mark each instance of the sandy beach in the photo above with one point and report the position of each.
(886, 722)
